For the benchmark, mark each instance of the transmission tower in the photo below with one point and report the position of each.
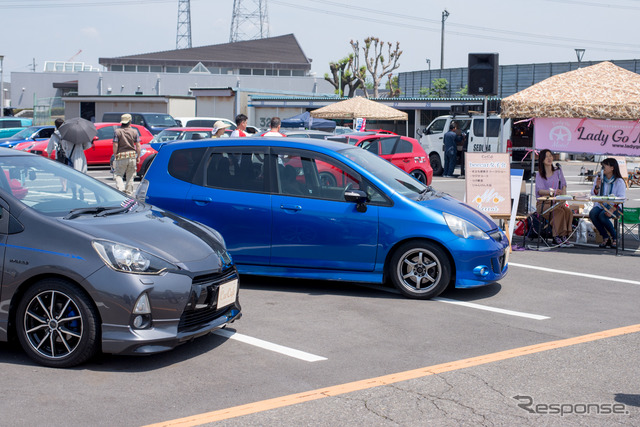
(183, 35)
(249, 21)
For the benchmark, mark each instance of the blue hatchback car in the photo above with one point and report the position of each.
(315, 209)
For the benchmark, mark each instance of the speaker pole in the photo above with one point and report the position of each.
(486, 144)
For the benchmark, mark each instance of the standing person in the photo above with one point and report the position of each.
(451, 140)
(241, 123)
(550, 182)
(608, 183)
(126, 149)
(274, 128)
(218, 129)
(465, 147)
(55, 143)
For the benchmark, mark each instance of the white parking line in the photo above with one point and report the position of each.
(495, 310)
(307, 357)
(572, 273)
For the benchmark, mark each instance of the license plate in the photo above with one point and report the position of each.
(227, 293)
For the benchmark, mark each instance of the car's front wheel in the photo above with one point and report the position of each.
(57, 325)
(436, 164)
(420, 269)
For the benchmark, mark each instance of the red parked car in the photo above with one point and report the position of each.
(102, 150)
(404, 152)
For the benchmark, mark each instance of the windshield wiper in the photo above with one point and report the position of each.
(427, 193)
(129, 204)
(74, 213)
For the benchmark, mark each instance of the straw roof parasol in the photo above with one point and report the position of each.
(359, 107)
(601, 91)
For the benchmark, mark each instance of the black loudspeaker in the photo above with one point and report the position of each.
(483, 74)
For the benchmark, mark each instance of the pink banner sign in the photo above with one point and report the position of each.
(621, 137)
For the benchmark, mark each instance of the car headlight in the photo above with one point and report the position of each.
(128, 259)
(463, 228)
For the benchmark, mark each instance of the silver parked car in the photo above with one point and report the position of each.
(87, 269)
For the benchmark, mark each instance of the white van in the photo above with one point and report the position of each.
(432, 137)
(202, 122)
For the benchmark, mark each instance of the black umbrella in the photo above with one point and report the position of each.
(78, 131)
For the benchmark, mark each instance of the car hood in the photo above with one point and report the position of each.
(161, 233)
(455, 207)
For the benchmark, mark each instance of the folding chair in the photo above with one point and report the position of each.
(631, 218)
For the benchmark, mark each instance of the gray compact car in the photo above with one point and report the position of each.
(87, 269)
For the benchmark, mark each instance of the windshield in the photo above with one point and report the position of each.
(167, 135)
(53, 188)
(394, 177)
(25, 133)
(164, 120)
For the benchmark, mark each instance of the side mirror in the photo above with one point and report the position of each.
(418, 132)
(359, 197)
(95, 138)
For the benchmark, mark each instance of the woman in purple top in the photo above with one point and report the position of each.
(608, 183)
(550, 182)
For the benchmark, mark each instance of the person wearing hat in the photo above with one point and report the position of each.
(126, 151)
(218, 129)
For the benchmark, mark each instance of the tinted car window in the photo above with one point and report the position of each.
(437, 126)
(318, 176)
(200, 123)
(183, 163)
(493, 127)
(160, 120)
(404, 147)
(387, 145)
(236, 170)
(372, 145)
(46, 133)
(106, 132)
(10, 124)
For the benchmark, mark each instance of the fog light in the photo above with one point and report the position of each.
(138, 321)
(481, 270)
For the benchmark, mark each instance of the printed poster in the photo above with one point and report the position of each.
(488, 182)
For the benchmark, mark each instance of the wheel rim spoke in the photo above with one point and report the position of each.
(53, 324)
(419, 270)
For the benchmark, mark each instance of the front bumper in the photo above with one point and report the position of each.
(182, 308)
(480, 262)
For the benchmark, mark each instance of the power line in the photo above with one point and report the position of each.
(591, 44)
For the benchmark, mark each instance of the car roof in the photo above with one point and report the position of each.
(9, 152)
(199, 129)
(291, 142)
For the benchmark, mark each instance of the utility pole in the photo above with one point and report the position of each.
(1, 86)
(183, 33)
(445, 15)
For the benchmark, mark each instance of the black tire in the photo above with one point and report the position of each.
(436, 164)
(328, 180)
(420, 176)
(416, 264)
(57, 325)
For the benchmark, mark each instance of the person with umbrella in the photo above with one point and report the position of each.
(77, 135)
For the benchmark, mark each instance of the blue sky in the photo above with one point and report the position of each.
(520, 31)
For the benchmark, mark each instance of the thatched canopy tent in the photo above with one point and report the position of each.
(359, 107)
(601, 91)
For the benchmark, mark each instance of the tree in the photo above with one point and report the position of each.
(463, 91)
(393, 86)
(375, 61)
(342, 76)
(359, 72)
(439, 88)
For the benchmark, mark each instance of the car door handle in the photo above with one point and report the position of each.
(291, 207)
(440, 137)
(201, 200)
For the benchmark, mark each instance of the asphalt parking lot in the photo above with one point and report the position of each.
(554, 343)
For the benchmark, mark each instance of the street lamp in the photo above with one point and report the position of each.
(445, 15)
(579, 54)
(1, 86)
(429, 63)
